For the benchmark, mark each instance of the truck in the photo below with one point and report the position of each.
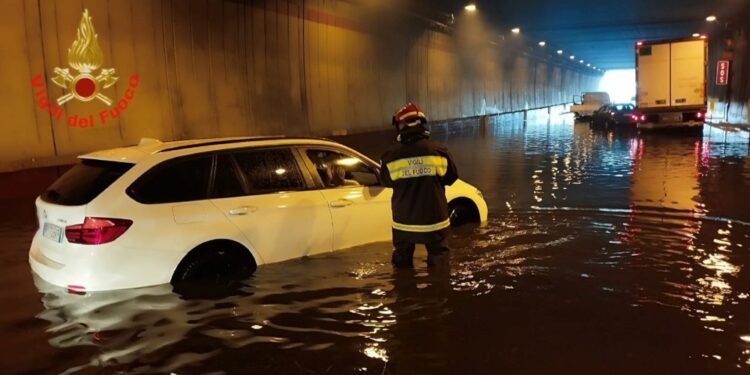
(671, 83)
(587, 103)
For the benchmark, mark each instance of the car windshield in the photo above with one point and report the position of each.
(84, 182)
(624, 107)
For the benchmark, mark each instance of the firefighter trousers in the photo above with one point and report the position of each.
(403, 252)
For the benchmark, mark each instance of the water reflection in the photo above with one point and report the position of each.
(604, 250)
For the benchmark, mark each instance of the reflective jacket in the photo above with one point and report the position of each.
(418, 171)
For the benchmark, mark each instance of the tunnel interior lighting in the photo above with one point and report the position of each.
(703, 37)
(515, 30)
(580, 61)
(589, 65)
(559, 52)
(696, 35)
(711, 18)
(639, 43)
(572, 57)
(471, 7)
(542, 44)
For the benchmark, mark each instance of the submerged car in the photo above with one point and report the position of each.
(614, 114)
(195, 210)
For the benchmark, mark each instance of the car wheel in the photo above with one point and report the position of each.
(462, 212)
(216, 264)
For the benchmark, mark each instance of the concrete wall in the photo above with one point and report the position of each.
(732, 102)
(222, 68)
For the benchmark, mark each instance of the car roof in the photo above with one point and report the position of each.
(149, 146)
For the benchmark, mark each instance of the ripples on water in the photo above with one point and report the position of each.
(604, 253)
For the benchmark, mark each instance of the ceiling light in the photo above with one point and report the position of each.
(703, 37)
(559, 52)
(515, 30)
(711, 18)
(572, 57)
(639, 43)
(471, 8)
(695, 35)
(542, 44)
(589, 65)
(580, 61)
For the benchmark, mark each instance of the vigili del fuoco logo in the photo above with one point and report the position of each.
(84, 83)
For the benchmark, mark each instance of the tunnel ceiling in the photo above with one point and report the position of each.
(601, 32)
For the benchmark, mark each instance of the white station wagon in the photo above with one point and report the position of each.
(200, 210)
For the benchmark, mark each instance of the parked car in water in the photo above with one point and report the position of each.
(163, 212)
(614, 114)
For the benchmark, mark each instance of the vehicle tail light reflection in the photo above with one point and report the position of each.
(97, 230)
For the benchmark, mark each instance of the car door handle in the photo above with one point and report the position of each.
(244, 210)
(341, 203)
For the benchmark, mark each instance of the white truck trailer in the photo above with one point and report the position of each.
(671, 83)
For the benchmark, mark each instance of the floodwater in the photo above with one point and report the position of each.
(605, 252)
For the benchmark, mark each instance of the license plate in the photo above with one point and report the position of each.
(52, 232)
(670, 117)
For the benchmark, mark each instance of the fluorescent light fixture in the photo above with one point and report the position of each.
(471, 7)
(542, 44)
(711, 18)
(703, 37)
(696, 35)
(639, 43)
(515, 30)
(572, 57)
(559, 52)
(580, 61)
(589, 65)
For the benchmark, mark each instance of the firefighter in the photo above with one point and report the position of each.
(418, 170)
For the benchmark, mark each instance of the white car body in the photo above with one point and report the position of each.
(273, 227)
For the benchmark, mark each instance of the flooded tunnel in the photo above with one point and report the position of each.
(209, 187)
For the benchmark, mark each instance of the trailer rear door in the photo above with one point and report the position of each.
(653, 76)
(688, 73)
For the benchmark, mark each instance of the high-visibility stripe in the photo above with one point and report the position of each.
(418, 167)
(409, 114)
(422, 228)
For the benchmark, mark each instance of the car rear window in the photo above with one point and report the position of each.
(84, 182)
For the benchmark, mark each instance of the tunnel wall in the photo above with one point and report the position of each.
(226, 68)
(732, 102)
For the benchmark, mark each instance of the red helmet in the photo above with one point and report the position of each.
(409, 114)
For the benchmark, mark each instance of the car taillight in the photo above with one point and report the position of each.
(638, 117)
(699, 115)
(97, 230)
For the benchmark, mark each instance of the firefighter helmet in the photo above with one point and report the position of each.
(410, 115)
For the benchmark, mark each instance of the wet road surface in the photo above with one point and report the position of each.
(605, 252)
